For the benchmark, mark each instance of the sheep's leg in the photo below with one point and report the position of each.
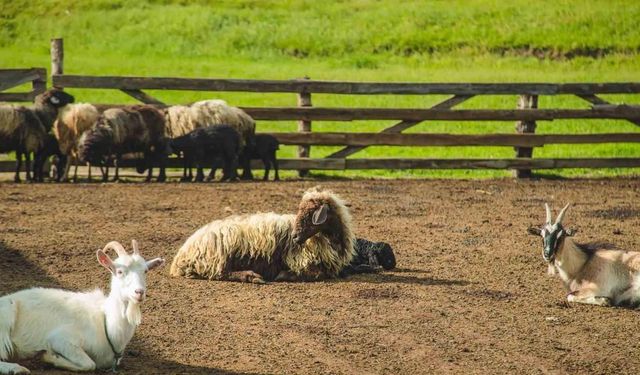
(162, 176)
(13, 368)
(589, 297)
(200, 173)
(27, 161)
(274, 161)
(246, 166)
(245, 277)
(16, 178)
(105, 173)
(212, 173)
(267, 168)
(116, 165)
(67, 355)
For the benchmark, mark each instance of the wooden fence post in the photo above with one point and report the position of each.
(525, 102)
(304, 100)
(57, 56)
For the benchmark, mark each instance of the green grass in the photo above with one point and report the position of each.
(365, 40)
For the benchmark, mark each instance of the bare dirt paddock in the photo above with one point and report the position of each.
(470, 294)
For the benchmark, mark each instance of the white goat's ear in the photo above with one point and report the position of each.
(105, 261)
(155, 263)
(320, 215)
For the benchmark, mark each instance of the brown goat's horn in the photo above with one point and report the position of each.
(136, 249)
(117, 247)
(546, 206)
(561, 214)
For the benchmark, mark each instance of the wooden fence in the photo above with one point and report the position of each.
(524, 140)
(10, 78)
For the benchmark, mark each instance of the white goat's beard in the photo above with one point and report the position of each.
(133, 313)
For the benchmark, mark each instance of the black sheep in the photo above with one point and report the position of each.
(263, 147)
(204, 145)
(50, 148)
(370, 257)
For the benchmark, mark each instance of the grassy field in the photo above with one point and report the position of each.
(366, 40)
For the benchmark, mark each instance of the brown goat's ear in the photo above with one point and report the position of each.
(320, 215)
(534, 231)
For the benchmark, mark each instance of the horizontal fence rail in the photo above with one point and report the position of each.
(351, 114)
(433, 139)
(330, 87)
(10, 78)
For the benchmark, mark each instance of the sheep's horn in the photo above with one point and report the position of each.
(546, 206)
(136, 249)
(561, 214)
(117, 247)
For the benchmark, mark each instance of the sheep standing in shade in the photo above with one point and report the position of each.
(316, 243)
(203, 145)
(264, 147)
(181, 120)
(118, 131)
(24, 129)
(73, 120)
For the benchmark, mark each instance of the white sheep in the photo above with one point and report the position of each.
(592, 274)
(73, 120)
(73, 330)
(314, 244)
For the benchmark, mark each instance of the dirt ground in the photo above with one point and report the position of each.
(470, 294)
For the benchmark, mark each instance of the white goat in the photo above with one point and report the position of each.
(72, 330)
(594, 275)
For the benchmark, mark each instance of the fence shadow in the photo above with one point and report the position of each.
(17, 272)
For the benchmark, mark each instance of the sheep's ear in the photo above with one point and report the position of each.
(105, 261)
(534, 231)
(155, 263)
(320, 215)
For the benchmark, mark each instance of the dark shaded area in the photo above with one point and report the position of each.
(615, 213)
(18, 272)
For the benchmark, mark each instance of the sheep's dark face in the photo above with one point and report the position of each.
(56, 98)
(313, 217)
(385, 256)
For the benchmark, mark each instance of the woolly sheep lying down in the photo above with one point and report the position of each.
(314, 244)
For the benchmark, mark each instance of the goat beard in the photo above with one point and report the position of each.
(551, 269)
(133, 313)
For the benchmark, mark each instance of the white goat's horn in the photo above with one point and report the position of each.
(117, 247)
(561, 214)
(546, 206)
(136, 249)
